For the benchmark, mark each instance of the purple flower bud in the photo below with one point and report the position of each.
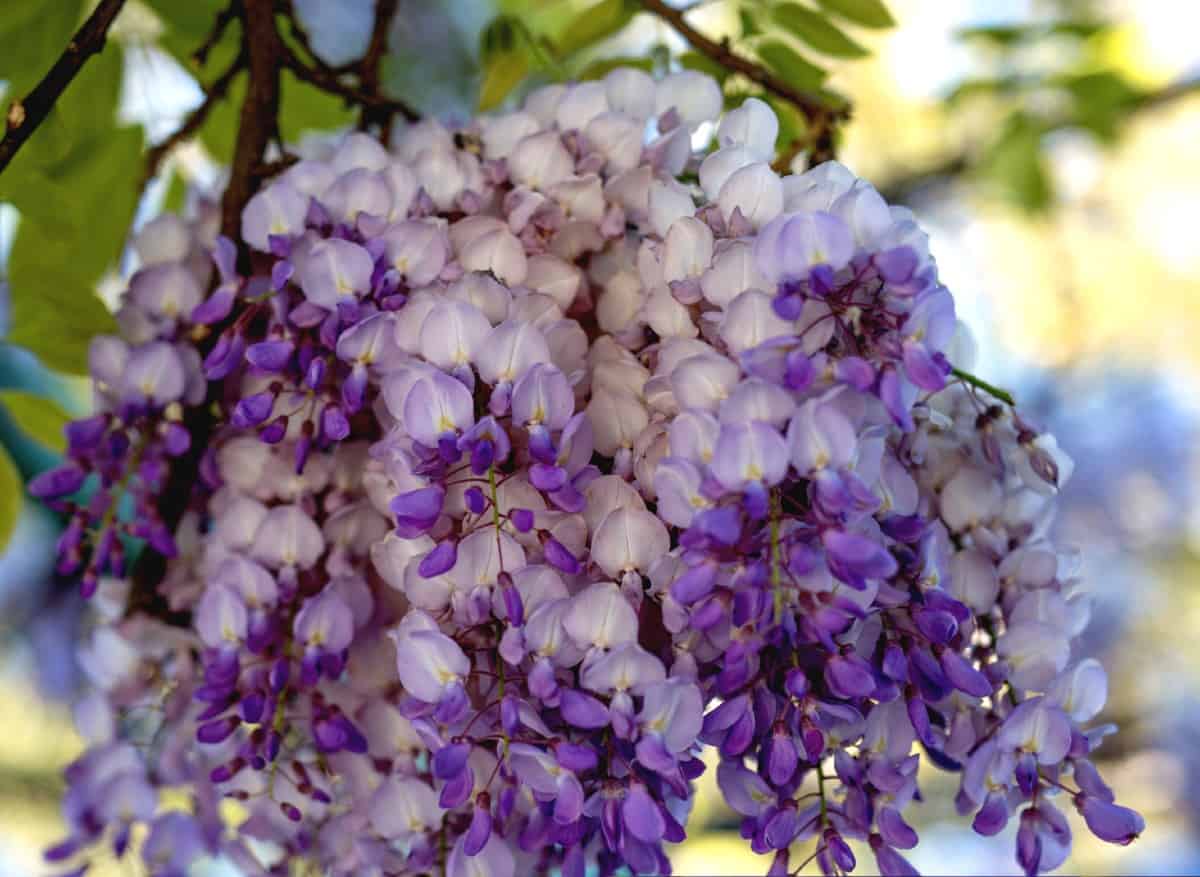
(418, 510)
(53, 483)
(576, 756)
(334, 425)
(270, 356)
(547, 478)
(253, 410)
(439, 560)
(963, 676)
(695, 583)
(583, 710)
(217, 730)
(476, 502)
(450, 760)
(849, 676)
(457, 790)
(993, 815)
(855, 558)
(1110, 822)
(642, 816)
(894, 830)
(522, 519)
(480, 829)
(560, 558)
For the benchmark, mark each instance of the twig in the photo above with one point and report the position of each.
(371, 66)
(224, 18)
(980, 383)
(820, 115)
(326, 79)
(213, 94)
(24, 116)
(259, 120)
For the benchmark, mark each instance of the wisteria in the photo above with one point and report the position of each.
(538, 465)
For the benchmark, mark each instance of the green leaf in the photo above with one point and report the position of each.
(32, 37)
(189, 19)
(1101, 101)
(868, 13)
(12, 494)
(997, 35)
(789, 64)
(1015, 167)
(814, 29)
(54, 267)
(704, 64)
(749, 22)
(597, 22)
(601, 67)
(502, 72)
(303, 108)
(41, 418)
(505, 61)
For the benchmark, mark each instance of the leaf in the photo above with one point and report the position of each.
(12, 495)
(601, 67)
(815, 30)
(1015, 167)
(1102, 101)
(41, 418)
(32, 37)
(53, 273)
(502, 72)
(704, 64)
(868, 13)
(189, 19)
(997, 35)
(303, 108)
(505, 61)
(789, 64)
(593, 24)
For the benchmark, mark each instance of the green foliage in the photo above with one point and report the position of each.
(32, 35)
(1015, 168)
(40, 418)
(594, 23)
(816, 30)
(865, 13)
(789, 64)
(505, 59)
(11, 497)
(75, 185)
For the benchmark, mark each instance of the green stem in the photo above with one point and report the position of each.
(992, 389)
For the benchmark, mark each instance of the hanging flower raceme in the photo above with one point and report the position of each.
(529, 472)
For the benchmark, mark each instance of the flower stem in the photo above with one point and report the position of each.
(980, 383)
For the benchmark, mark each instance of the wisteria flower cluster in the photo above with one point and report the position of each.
(543, 463)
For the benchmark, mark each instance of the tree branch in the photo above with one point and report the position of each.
(24, 116)
(371, 66)
(224, 18)
(213, 94)
(820, 115)
(326, 79)
(259, 120)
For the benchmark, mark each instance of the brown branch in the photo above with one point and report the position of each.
(24, 116)
(213, 94)
(371, 66)
(259, 121)
(326, 79)
(224, 18)
(821, 117)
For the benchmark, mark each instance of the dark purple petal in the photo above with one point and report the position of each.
(439, 560)
(583, 710)
(1110, 822)
(641, 815)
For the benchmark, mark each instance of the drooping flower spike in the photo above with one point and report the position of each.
(537, 472)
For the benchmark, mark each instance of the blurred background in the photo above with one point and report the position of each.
(1050, 148)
